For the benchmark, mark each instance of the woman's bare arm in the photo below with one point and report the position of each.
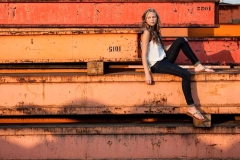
(145, 37)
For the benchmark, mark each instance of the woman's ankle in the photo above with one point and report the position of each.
(196, 64)
(199, 67)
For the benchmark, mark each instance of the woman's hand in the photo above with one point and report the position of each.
(148, 78)
(145, 37)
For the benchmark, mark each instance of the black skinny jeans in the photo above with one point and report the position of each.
(167, 66)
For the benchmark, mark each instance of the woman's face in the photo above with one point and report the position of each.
(151, 18)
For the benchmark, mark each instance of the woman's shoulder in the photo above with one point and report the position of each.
(145, 37)
(146, 34)
(145, 31)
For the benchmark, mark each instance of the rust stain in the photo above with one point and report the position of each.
(102, 1)
(102, 17)
(109, 143)
(156, 100)
(23, 80)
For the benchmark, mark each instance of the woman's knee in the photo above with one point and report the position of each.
(187, 75)
(182, 39)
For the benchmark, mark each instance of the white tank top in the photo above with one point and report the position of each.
(155, 53)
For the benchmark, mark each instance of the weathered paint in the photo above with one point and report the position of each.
(77, 93)
(36, 120)
(68, 48)
(77, 120)
(229, 127)
(166, 32)
(54, 70)
(229, 14)
(72, 31)
(104, 1)
(222, 31)
(107, 47)
(120, 141)
(186, 14)
(219, 51)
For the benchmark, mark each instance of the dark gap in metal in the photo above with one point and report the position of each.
(105, 119)
(74, 65)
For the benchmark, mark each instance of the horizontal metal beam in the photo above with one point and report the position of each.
(78, 94)
(120, 141)
(225, 75)
(229, 127)
(106, 14)
(104, 1)
(109, 47)
(70, 31)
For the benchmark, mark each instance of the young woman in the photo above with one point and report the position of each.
(158, 58)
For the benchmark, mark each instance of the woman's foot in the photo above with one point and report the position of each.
(194, 113)
(201, 68)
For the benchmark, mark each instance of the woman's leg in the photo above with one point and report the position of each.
(164, 66)
(181, 43)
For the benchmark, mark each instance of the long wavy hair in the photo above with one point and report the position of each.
(155, 33)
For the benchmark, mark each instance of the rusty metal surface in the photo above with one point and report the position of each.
(229, 127)
(36, 120)
(166, 32)
(69, 48)
(67, 31)
(108, 47)
(98, 14)
(120, 141)
(104, 1)
(220, 74)
(67, 94)
(229, 14)
(224, 30)
(219, 51)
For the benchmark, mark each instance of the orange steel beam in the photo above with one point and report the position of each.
(94, 119)
(141, 67)
(69, 48)
(120, 93)
(222, 31)
(166, 32)
(42, 70)
(107, 48)
(181, 14)
(138, 68)
(229, 14)
(103, 1)
(216, 50)
(71, 31)
(119, 129)
(120, 141)
(38, 120)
